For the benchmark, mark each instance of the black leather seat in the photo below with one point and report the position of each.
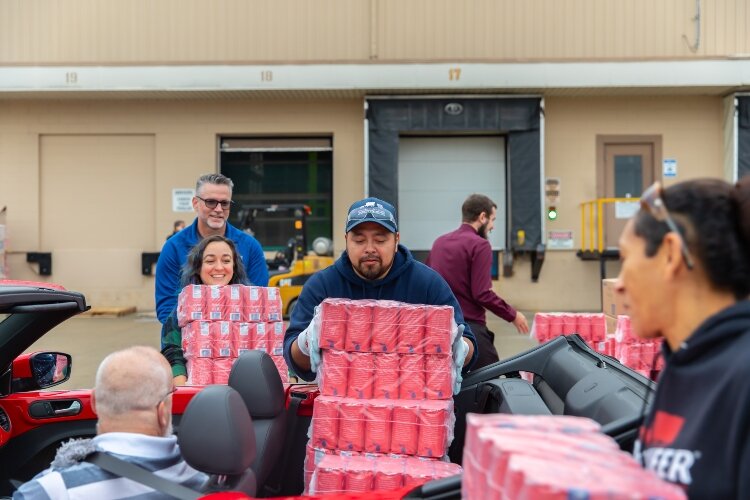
(257, 379)
(216, 437)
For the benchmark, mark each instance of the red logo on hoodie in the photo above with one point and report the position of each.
(663, 430)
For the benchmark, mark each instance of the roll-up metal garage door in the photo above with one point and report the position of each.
(436, 174)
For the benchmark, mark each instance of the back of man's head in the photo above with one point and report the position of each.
(474, 205)
(129, 386)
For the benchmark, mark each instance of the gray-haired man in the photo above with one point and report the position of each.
(132, 398)
(212, 202)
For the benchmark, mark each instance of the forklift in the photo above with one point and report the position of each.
(290, 268)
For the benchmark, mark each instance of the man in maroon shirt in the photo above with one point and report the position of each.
(463, 258)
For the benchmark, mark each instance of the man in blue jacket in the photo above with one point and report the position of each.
(212, 202)
(374, 266)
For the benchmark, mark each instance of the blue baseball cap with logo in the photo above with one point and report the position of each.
(372, 210)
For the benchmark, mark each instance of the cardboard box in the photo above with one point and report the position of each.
(612, 302)
(611, 324)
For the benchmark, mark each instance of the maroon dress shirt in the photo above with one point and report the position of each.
(464, 260)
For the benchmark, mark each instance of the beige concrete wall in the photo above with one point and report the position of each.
(42, 32)
(691, 130)
(185, 145)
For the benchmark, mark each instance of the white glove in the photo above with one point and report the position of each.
(303, 342)
(308, 341)
(460, 350)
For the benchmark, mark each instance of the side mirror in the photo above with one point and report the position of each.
(40, 370)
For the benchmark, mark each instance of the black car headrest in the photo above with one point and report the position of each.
(216, 433)
(257, 380)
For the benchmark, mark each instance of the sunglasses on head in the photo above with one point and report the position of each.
(211, 203)
(652, 201)
(377, 213)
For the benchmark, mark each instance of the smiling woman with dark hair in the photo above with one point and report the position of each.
(686, 277)
(213, 261)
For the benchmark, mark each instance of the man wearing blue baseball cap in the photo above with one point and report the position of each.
(374, 266)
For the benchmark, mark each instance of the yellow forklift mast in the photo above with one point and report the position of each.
(292, 267)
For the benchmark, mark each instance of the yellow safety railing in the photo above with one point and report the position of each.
(594, 230)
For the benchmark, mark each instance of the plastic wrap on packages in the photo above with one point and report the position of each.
(411, 330)
(215, 303)
(260, 339)
(436, 422)
(423, 428)
(324, 426)
(233, 303)
(359, 326)
(412, 376)
(272, 304)
(190, 304)
(200, 370)
(221, 339)
(489, 455)
(222, 367)
(333, 375)
(275, 331)
(556, 423)
(386, 375)
(280, 363)
(352, 421)
(253, 303)
(334, 314)
(361, 375)
(358, 474)
(196, 339)
(530, 477)
(385, 326)
(243, 337)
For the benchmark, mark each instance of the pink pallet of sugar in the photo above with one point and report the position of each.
(357, 474)
(386, 326)
(512, 456)
(367, 375)
(219, 323)
(420, 428)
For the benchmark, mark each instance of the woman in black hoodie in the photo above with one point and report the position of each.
(686, 277)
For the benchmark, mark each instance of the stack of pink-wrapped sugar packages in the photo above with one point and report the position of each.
(385, 414)
(551, 457)
(642, 355)
(630, 350)
(592, 327)
(221, 322)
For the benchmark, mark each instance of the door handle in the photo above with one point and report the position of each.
(55, 408)
(73, 409)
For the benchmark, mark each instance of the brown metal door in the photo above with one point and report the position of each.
(628, 170)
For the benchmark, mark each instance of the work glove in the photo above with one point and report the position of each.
(308, 341)
(460, 350)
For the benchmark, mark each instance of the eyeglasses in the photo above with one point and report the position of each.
(174, 389)
(652, 202)
(211, 203)
(377, 213)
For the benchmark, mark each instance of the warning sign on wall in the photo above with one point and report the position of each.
(560, 239)
(182, 199)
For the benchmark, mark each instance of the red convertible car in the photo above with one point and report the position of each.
(567, 378)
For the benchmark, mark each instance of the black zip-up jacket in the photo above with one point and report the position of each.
(697, 433)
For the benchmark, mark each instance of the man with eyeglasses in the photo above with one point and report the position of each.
(374, 266)
(212, 203)
(132, 398)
